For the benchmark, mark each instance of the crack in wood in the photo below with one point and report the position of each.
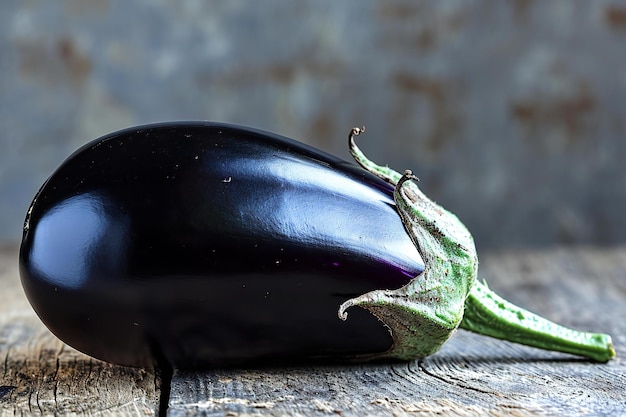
(165, 374)
(452, 381)
(6, 390)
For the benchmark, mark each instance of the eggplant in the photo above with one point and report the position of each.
(206, 244)
(197, 244)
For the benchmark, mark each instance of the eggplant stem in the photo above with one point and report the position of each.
(451, 267)
(489, 314)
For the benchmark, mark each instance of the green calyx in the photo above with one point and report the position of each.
(423, 314)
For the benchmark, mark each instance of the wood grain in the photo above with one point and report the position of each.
(41, 376)
(472, 375)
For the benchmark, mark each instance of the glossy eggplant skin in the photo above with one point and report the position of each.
(198, 244)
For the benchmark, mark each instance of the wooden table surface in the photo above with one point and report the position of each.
(472, 375)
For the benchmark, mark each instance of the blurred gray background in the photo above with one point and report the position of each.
(512, 113)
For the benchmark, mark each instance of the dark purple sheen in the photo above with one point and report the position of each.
(202, 244)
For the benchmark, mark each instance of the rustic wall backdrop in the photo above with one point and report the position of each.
(512, 113)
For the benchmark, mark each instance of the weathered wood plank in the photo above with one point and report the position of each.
(41, 376)
(471, 375)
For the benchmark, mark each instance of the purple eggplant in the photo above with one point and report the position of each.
(202, 244)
